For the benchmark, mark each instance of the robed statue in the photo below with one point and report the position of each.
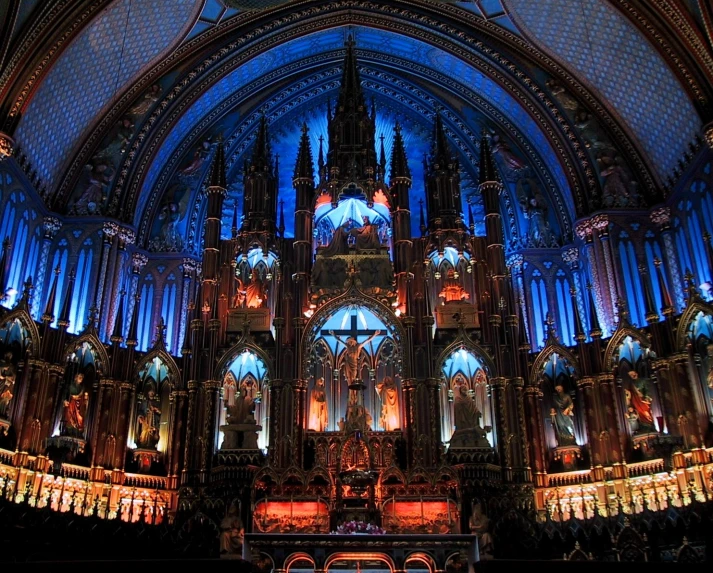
(339, 244)
(149, 419)
(351, 354)
(639, 400)
(389, 394)
(562, 416)
(7, 383)
(367, 236)
(256, 292)
(468, 431)
(318, 415)
(75, 407)
(232, 532)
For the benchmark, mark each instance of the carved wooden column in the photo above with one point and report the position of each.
(615, 440)
(408, 389)
(679, 398)
(48, 400)
(592, 429)
(191, 432)
(432, 455)
(30, 434)
(102, 428)
(523, 431)
(536, 442)
(502, 430)
(276, 435)
(211, 389)
(180, 399)
(300, 420)
(126, 399)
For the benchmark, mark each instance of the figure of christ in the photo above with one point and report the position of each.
(255, 293)
(389, 394)
(7, 383)
(351, 354)
(638, 399)
(318, 416)
(75, 406)
(367, 236)
(452, 291)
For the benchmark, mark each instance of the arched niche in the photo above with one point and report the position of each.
(565, 431)
(15, 341)
(255, 279)
(348, 342)
(450, 276)
(81, 377)
(639, 396)
(464, 395)
(700, 343)
(244, 400)
(151, 422)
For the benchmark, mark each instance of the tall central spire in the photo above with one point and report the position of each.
(352, 140)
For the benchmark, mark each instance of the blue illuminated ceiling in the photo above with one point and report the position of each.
(609, 53)
(376, 48)
(117, 46)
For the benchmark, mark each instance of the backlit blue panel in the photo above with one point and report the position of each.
(367, 39)
(121, 42)
(610, 54)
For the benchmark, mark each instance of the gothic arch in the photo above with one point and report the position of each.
(465, 342)
(688, 316)
(617, 338)
(353, 296)
(319, 471)
(233, 352)
(21, 315)
(174, 373)
(546, 353)
(101, 358)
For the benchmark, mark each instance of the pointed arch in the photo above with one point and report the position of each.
(101, 358)
(465, 342)
(234, 351)
(266, 472)
(30, 326)
(319, 472)
(391, 472)
(174, 373)
(687, 317)
(618, 337)
(546, 353)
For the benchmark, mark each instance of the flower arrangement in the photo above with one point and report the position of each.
(357, 527)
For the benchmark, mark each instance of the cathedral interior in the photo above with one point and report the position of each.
(442, 270)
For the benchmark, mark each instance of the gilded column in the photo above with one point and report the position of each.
(190, 429)
(30, 433)
(592, 429)
(126, 395)
(50, 226)
(101, 430)
(662, 218)
(601, 224)
(525, 436)
(178, 438)
(502, 429)
(211, 389)
(536, 443)
(585, 232)
(613, 441)
(109, 232)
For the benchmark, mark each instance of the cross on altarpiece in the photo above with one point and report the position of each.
(353, 331)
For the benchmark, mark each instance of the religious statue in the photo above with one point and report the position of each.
(351, 354)
(256, 292)
(709, 375)
(339, 244)
(534, 209)
(632, 419)
(149, 419)
(562, 416)
(501, 148)
(638, 399)
(166, 235)
(389, 394)
(466, 414)
(358, 417)
(7, 383)
(240, 295)
(452, 291)
(232, 532)
(480, 526)
(318, 416)
(367, 236)
(75, 407)
(241, 412)
(618, 190)
(147, 100)
(229, 392)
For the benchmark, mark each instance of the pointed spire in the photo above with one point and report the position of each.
(261, 152)
(133, 337)
(217, 172)
(382, 157)
(595, 330)
(622, 312)
(48, 315)
(471, 218)
(441, 154)
(691, 287)
(351, 96)
(92, 318)
(118, 334)
(159, 340)
(235, 227)
(550, 331)
(579, 335)
(709, 254)
(422, 219)
(399, 161)
(67, 303)
(320, 159)
(652, 314)
(524, 343)
(667, 309)
(488, 172)
(304, 166)
(26, 298)
(281, 226)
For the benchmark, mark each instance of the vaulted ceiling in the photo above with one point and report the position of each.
(130, 96)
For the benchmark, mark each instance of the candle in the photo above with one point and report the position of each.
(448, 506)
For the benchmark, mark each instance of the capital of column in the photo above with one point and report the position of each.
(51, 225)
(110, 228)
(126, 387)
(138, 261)
(7, 146)
(571, 257)
(127, 236)
(189, 266)
(584, 230)
(212, 385)
(192, 385)
(514, 262)
(585, 382)
(278, 322)
(498, 382)
(409, 321)
(708, 134)
(600, 223)
(179, 393)
(518, 382)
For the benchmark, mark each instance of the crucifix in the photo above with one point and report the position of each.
(357, 417)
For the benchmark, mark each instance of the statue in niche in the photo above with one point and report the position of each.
(709, 375)
(452, 291)
(167, 237)
(256, 291)
(389, 394)
(318, 415)
(632, 419)
(639, 399)
(358, 417)
(375, 273)
(7, 383)
(329, 273)
(243, 409)
(351, 354)
(468, 431)
(534, 208)
(367, 236)
(149, 419)
(75, 407)
(562, 416)
(241, 293)
(229, 392)
(232, 532)
(149, 98)
(479, 524)
(339, 244)
(119, 142)
(618, 190)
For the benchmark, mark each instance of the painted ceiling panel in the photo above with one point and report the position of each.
(367, 39)
(91, 72)
(605, 50)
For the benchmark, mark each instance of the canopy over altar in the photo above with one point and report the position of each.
(388, 552)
